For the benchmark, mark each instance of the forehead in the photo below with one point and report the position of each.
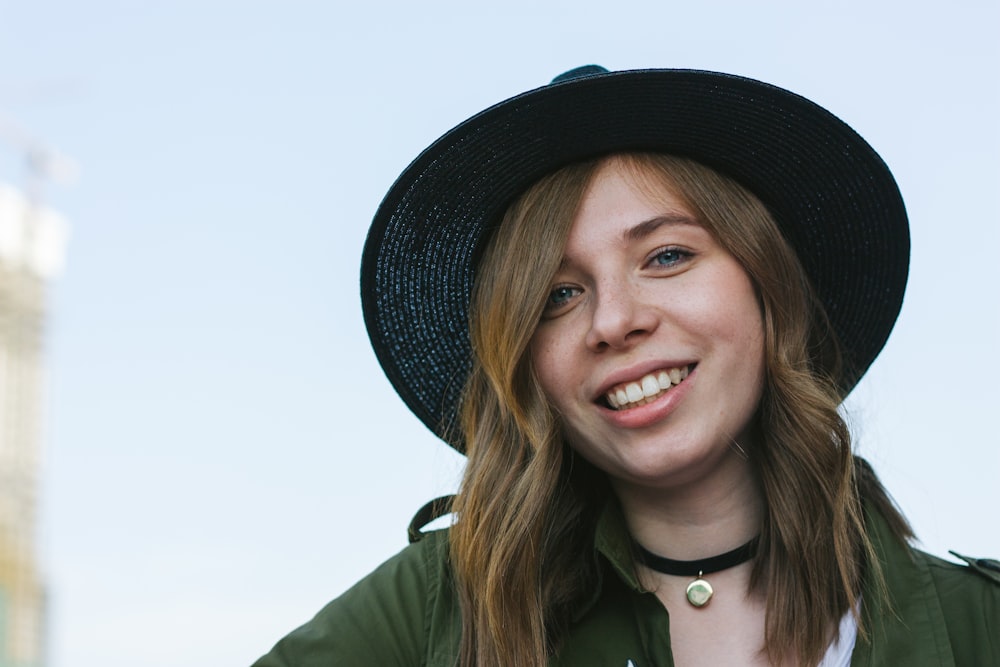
(625, 202)
(653, 176)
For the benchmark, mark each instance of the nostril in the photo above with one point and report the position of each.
(635, 333)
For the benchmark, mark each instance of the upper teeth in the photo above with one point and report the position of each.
(640, 392)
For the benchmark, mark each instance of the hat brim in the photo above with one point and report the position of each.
(829, 191)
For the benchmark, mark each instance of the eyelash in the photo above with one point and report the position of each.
(680, 255)
(551, 304)
(569, 291)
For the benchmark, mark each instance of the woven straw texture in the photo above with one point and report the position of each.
(831, 194)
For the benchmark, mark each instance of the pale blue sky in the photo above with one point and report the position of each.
(224, 454)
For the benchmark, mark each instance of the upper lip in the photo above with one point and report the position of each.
(635, 373)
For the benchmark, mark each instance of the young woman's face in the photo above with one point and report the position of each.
(651, 344)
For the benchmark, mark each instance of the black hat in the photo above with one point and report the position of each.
(832, 196)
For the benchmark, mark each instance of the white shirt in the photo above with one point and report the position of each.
(838, 654)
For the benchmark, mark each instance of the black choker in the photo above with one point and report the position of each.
(699, 591)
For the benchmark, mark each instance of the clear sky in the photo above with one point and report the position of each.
(224, 454)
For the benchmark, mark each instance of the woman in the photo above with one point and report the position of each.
(636, 300)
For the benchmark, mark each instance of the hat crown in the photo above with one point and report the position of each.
(580, 72)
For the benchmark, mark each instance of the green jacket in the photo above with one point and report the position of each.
(406, 614)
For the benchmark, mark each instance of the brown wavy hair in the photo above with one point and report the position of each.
(522, 546)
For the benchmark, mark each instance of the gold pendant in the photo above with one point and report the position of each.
(699, 592)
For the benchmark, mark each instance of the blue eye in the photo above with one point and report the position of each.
(669, 256)
(561, 295)
(560, 298)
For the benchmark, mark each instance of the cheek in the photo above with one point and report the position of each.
(543, 352)
(556, 369)
(749, 335)
(746, 330)
(740, 318)
(735, 324)
(724, 322)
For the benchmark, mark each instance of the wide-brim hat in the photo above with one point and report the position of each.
(831, 194)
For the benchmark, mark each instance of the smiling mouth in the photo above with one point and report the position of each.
(646, 389)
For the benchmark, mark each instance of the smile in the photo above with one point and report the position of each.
(646, 389)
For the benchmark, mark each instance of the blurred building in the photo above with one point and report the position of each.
(32, 244)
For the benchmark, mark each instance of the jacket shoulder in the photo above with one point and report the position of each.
(969, 594)
(971, 574)
(987, 567)
(384, 619)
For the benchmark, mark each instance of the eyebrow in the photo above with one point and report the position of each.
(647, 227)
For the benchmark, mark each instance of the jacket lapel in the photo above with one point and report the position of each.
(906, 624)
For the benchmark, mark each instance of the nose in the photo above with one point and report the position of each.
(619, 318)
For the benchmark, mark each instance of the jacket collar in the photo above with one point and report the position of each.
(903, 624)
(612, 540)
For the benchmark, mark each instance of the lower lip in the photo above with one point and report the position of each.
(650, 413)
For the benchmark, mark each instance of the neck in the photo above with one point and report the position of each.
(697, 568)
(702, 517)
